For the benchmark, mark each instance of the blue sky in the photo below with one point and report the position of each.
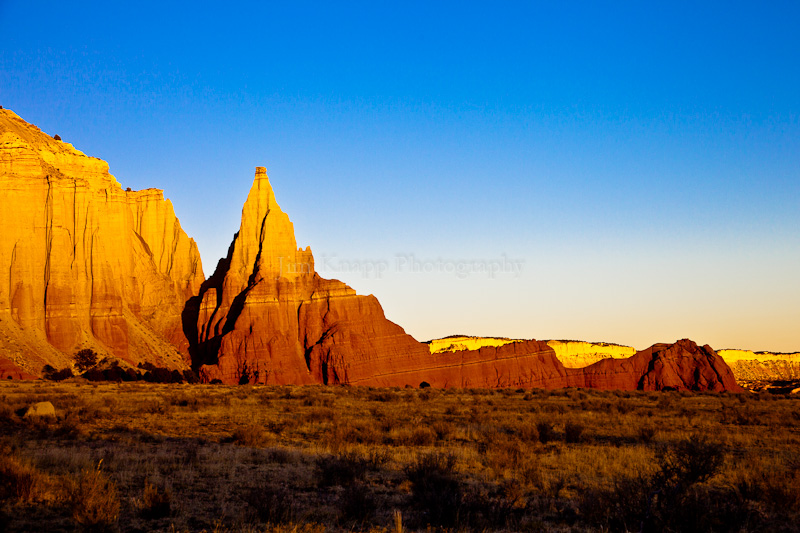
(641, 160)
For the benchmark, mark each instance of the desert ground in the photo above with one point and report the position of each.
(148, 457)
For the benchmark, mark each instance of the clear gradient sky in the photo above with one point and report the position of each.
(641, 160)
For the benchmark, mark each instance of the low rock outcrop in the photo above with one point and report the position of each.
(533, 364)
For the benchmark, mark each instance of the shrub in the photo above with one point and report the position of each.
(17, 480)
(250, 435)
(621, 507)
(546, 431)
(693, 460)
(95, 504)
(435, 490)
(357, 503)
(355, 432)
(59, 375)
(156, 502)
(442, 429)
(500, 454)
(573, 432)
(85, 359)
(271, 503)
(422, 436)
(646, 433)
(343, 469)
(376, 458)
(384, 396)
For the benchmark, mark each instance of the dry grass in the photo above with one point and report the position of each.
(256, 458)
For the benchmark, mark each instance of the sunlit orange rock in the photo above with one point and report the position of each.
(682, 365)
(83, 262)
(10, 370)
(266, 316)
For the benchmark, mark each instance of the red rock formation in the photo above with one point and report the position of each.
(681, 366)
(265, 316)
(84, 263)
(9, 370)
(533, 364)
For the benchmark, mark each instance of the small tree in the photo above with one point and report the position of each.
(85, 359)
(48, 371)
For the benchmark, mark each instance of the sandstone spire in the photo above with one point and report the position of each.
(265, 314)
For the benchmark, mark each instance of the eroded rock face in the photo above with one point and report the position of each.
(578, 354)
(265, 315)
(84, 263)
(762, 366)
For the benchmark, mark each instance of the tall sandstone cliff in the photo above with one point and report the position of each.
(84, 263)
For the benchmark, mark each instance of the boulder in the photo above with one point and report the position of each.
(40, 409)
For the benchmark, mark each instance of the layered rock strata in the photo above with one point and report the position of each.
(84, 263)
(533, 364)
(265, 316)
(578, 354)
(762, 366)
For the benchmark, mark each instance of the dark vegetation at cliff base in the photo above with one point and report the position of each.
(146, 457)
(90, 368)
